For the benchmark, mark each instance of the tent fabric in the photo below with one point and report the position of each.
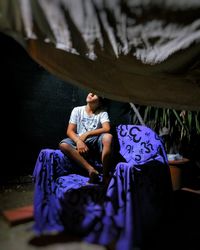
(145, 52)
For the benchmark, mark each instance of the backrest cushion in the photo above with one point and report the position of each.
(139, 144)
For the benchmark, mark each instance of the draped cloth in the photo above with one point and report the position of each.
(132, 207)
(148, 50)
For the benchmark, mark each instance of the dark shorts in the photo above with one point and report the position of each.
(94, 143)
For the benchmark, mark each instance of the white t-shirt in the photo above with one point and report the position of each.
(87, 122)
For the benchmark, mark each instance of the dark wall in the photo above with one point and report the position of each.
(35, 108)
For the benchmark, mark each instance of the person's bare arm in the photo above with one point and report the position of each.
(105, 129)
(71, 133)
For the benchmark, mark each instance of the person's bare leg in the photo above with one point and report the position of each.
(106, 156)
(80, 160)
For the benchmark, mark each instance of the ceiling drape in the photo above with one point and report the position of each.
(142, 51)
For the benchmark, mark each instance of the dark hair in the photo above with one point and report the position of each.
(103, 101)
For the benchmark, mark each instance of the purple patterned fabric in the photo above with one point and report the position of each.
(134, 201)
(139, 145)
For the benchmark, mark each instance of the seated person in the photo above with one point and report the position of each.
(89, 130)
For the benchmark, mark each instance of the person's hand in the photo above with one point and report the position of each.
(84, 136)
(81, 147)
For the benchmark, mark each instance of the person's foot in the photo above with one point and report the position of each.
(93, 176)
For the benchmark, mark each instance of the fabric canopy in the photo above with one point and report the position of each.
(141, 51)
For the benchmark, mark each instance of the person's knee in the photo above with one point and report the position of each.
(64, 147)
(107, 139)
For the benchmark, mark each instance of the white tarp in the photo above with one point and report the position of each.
(139, 51)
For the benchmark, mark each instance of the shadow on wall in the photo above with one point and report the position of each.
(36, 108)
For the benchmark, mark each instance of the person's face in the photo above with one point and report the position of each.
(92, 98)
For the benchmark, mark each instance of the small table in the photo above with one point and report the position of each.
(175, 171)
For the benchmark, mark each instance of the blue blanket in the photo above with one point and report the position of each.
(134, 202)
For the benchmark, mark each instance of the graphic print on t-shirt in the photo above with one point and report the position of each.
(89, 123)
